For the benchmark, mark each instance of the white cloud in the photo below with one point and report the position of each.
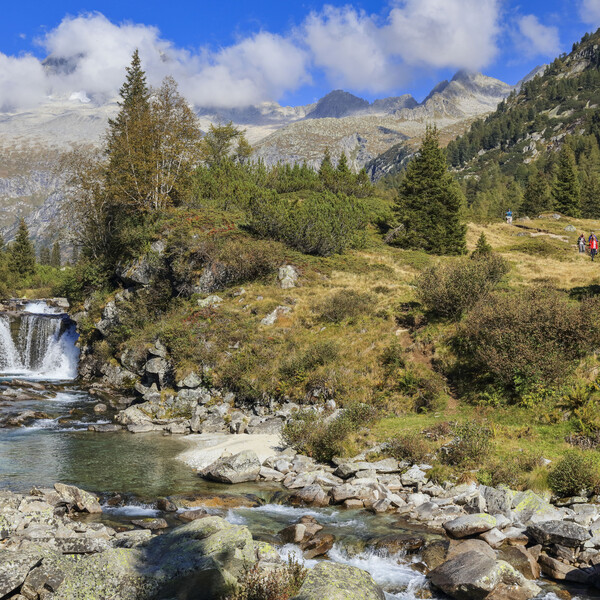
(589, 10)
(87, 55)
(445, 33)
(536, 39)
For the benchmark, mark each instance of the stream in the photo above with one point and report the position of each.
(40, 345)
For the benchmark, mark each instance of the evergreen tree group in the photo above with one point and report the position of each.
(22, 252)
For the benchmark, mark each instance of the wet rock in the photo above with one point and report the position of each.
(563, 533)
(469, 525)
(334, 581)
(80, 499)
(150, 523)
(319, 545)
(192, 515)
(474, 576)
(166, 505)
(401, 542)
(100, 408)
(238, 468)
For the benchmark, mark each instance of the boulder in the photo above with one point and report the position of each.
(288, 277)
(528, 507)
(14, 567)
(319, 545)
(272, 317)
(498, 500)
(563, 533)
(238, 468)
(522, 560)
(334, 581)
(469, 525)
(413, 476)
(80, 499)
(474, 576)
(150, 523)
(212, 301)
(561, 571)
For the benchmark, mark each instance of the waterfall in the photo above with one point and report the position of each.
(38, 343)
(9, 356)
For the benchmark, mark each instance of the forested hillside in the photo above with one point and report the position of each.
(539, 150)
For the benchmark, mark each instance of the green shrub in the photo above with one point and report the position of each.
(413, 447)
(426, 388)
(300, 366)
(319, 223)
(345, 305)
(471, 445)
(313, 434)
(525, 339)
(222, 260)
(449, 289)
(575, 472)
(511, 471)
(278, 584)
(542, 248)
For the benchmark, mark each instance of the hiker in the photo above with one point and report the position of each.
(581, 244)
(593, 244)
(509, 217)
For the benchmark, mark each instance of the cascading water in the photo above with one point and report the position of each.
(38, 343)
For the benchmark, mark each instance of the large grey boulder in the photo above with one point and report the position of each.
(474, 576)
(141, 271)
(334, 581)
(528, 508)
(237, 468)
(80, 499)
(563, 533)
(497, 500)
(469, 525)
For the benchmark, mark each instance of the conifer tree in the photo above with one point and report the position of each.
(45, 255)
(566, 191)
(55, 260)
(536, 198)
(22, 252)
(430, 203)
(482, 247)
(342, 166)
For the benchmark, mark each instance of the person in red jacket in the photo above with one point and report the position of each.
(593, 244)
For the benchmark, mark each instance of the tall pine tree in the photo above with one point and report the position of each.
(566, 191)
(536, 198)
(55, 260)
(22, 252)
(430, 203)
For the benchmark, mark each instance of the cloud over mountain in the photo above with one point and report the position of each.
(85, 56)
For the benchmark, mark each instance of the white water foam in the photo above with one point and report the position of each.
(41, 308)
(9, 357)
(131, 510)
(391, 572)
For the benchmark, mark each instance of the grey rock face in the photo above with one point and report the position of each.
(14, 567)
(238, 468)
(82, 500)
(564, 533)
(288, 277)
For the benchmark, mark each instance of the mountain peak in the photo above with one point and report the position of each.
(336, 104)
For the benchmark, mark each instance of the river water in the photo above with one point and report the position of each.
(57, 446)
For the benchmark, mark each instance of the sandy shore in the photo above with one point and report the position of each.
(208, 447)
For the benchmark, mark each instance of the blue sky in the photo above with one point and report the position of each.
(234, 52)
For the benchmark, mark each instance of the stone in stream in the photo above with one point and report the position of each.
(474, 576)
(319, 545)
(192, 515)
(469, 525)
(150, 523)
(80, 499)
(241, 467)
(100, 408)
(166, 505)
(335, 581)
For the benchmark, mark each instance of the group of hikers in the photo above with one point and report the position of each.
(592, 241)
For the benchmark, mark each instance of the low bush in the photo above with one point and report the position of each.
(575, 473)
(449, 289)
(345, 305)
(319, 223)
(299, 366)
(426, 389)
(526, 339)
(279, 584)
(542, 248)
(513, 471)
(413, 447)
(218, 261)
(312, 433)
(471, 445)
